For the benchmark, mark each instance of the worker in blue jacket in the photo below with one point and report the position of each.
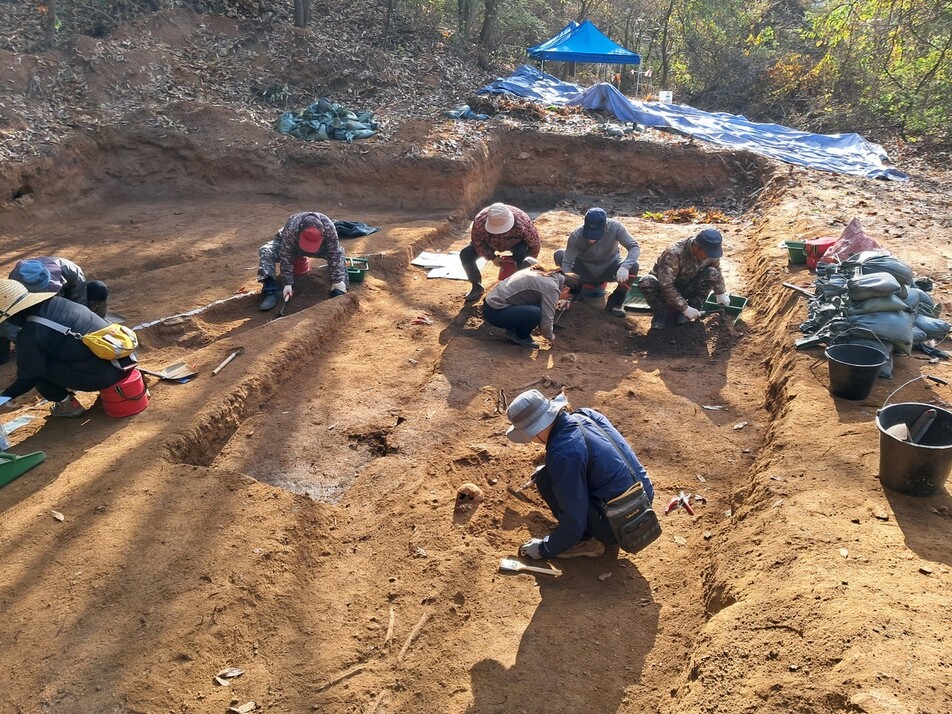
(587, 463)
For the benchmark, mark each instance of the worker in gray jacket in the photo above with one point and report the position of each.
(528, 299)
(592, 252)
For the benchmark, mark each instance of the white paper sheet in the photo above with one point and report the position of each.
(444, 265)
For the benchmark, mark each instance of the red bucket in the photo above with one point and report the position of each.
(302, 265)
(507, 266)
(126, 397)
(815, 249)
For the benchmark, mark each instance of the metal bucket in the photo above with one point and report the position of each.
(854, 369)
(921, 468)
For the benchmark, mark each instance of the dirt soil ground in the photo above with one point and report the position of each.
(294, 516)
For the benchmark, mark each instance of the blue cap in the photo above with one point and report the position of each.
(34, 275)
(595, 221)
(710, 241)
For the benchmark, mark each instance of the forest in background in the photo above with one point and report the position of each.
(878, 67)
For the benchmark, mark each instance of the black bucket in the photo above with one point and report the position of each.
(854, 369)
(918, 469)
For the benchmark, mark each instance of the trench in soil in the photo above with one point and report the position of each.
(431, 393)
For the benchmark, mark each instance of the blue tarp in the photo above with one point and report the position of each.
(582, 43)
(840, 153)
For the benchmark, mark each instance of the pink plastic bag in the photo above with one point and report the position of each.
(852, 240)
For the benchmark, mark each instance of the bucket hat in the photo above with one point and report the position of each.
(499, 219)
(530, 413)
(33, 274)
(14, 297)
(710, 241)
(595, 221)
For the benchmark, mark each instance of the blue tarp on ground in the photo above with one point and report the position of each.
(840, 153)
(582, 43)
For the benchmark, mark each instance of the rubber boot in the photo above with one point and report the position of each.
(271, 292)
(476, 278)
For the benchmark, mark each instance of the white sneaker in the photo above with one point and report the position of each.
(590, 548)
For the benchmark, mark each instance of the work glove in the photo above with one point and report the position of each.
(723, 299)
(622, 275)
(692, 313)
(563, 304)
(288, 292)
(338, 289)
(531, 549)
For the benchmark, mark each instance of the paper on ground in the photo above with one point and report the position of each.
(444, 265)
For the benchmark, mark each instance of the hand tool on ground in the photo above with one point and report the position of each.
(515, 566)
(228, 359)
(178, 372)
(283, 305)
(682, 500)
(803, 291)
(12, 466)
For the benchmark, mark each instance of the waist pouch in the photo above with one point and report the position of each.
(632, 520)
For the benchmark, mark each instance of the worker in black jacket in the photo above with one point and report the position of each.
(53, 363)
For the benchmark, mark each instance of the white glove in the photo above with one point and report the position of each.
(339, 287)
(288, 292)
(563, 304)
(692, 313)
(531, 549)
(622, 276)
(723, 299)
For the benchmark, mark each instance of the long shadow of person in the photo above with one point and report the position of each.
(586, 643)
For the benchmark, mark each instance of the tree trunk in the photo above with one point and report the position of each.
(489, 24)
(666, 45)
(302, 12)
(49, 23)
(387, 19)
(464, 11)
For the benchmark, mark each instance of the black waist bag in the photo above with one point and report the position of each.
(633, 522)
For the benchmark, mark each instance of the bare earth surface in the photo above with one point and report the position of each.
(294, 515)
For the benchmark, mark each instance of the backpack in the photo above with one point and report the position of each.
(112, 342)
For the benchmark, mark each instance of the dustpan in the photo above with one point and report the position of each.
(12, 466)
(178, 372)
(635, 300)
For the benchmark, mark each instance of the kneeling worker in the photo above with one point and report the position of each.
(682, 278)
(308, 234)
(53, 363)
(592, 253)
(587, 464)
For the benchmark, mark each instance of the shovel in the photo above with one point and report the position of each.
(513, 565)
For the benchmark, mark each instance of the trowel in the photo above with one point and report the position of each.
(514, 566)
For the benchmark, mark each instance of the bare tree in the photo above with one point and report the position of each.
(48, 10)
(302, 13)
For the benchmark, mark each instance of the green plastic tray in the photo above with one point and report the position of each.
(635, 301)
(738, 303)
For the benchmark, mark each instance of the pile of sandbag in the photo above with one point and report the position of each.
(873, 299)
(324, 120)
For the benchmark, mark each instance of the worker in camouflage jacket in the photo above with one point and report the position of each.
(682, 278)
(307, 234)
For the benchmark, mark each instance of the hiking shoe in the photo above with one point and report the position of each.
(618, 311)
(524, 341)
(474, 294)
(659, 322)
(590, 548)
(69, 407)
(270, 300)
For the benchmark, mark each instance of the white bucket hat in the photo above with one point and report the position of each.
(530, 413)
(499, 219)
(14, 297)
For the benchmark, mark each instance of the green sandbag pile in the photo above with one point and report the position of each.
(323, 120)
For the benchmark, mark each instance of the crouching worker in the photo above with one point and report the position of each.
(496, 229)
(53, 363)
(528, 299)
(590, 472)
(593, 253)
(683, 277)
(307, 234)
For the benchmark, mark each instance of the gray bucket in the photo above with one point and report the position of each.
(854, 369)
(918, 469)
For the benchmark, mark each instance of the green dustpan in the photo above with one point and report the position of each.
(12, 467)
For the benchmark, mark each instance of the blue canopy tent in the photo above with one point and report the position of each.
(582, 43)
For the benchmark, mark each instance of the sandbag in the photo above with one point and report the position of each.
(886, 371)
(934, 328)
(887, 303)
(888, 264)
(895, 327)
(875, 285)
